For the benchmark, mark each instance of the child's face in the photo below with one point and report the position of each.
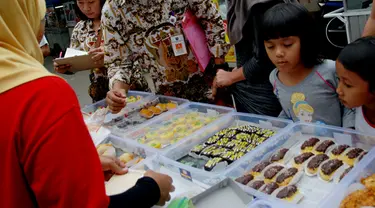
(353, 90)
(284, 52)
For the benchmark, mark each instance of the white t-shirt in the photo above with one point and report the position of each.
(361, 123)
(43, 41)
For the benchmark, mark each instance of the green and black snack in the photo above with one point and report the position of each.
(198, 149)
(223, 141)
(232, 144)
(212, 163)
(243, 136)
(231, 133)
(208, 150)
(218, 152)
(213, 140)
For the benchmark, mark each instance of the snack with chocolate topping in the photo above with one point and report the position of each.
(345, 173)
(279, 155)
(287, 193)
(284, 178)
(300, 159)
(323, 146)
(269, 188)
(259, 168)
(329, 167)
(338, 150)
(314, 163)
(309, 144)
(351, 155)
(271, 172)
(256, 184)
(361, 157)
(245, 179)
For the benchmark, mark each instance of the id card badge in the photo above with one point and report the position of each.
(178, 45)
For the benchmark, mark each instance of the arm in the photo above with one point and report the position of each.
(144, 194)
(45, 50)
(369, 29)
(116, 54)
(61, 167)
(206, 11)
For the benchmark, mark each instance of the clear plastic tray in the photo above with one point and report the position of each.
(233, 120)
(314, 190)
(122, 146)
(363, 169)
(92, 108)
(159, 122)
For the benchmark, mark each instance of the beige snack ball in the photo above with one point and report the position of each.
(106, 150)
(126, 157)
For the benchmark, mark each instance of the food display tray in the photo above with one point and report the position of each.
(171, 158)
(224, 194)
(169, 117)
(93, 107)
(314, 191)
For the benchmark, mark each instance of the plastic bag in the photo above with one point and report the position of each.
(181, 203)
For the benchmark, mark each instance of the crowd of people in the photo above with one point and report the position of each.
(47, 156)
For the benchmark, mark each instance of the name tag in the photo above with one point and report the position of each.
(178, 45)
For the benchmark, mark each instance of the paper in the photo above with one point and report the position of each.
(70, 52)
(121, 183)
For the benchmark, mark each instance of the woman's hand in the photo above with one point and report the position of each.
(116, 100)
(98, 56)
(113, 164)
(62, 69)
(165, 185)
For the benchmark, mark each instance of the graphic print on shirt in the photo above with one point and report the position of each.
(302, 110)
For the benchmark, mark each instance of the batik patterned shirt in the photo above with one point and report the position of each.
(137, 41)
(84, 38)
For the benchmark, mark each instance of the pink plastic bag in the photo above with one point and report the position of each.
(197, 39)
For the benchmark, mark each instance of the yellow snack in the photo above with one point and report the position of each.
(167, 135)
(106, 150)
(162, 107)
(126, 157)
(155, 110)
(155, 144)
(369, 182)
(171, 106)
(146, 113)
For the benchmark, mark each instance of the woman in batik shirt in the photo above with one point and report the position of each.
(138, 44)
(87, 36)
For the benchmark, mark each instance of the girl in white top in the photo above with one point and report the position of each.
(356, 69)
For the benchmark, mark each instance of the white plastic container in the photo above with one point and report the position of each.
(364, 168)
(314, 190)
(93, 107)
(156, 123)
(233, 120)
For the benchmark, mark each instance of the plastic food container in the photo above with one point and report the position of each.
(92, 108)
(172, 158)
(363, 169)
(315, 191)
(166, 131)
(121, 147)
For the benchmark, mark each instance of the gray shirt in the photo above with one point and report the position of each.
(313, 100)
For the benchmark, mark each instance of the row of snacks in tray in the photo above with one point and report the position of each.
(108, 149)
(129, 117)
(279, 175)
(175, 128)
(229, 145)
